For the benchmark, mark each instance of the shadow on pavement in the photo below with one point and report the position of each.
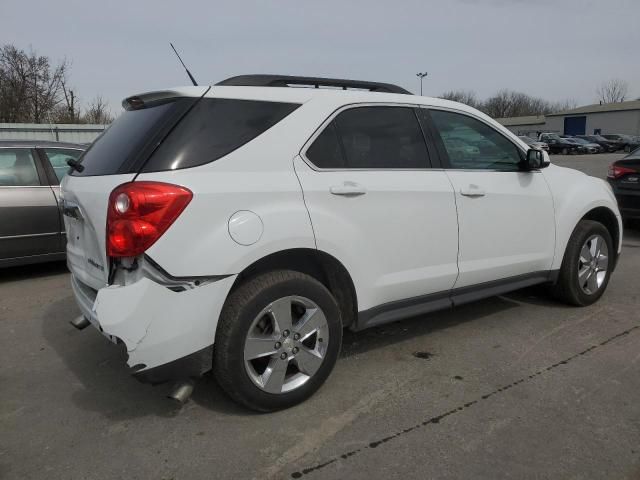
(107, 387)
(29, 272)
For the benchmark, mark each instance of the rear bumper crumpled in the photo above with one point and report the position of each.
(168, 335)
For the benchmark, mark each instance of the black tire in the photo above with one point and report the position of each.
(565, 151)
(568, 289)
(238, 313)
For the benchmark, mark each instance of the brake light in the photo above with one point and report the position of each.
(616, 171)
(139, 213)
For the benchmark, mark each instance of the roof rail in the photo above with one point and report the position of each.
(316, 82)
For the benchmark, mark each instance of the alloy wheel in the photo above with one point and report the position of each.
(286, 344)
(593, 264)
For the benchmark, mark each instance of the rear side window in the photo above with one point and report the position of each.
(17, 168)
(371, 138)
(116, 149)
(214, 128)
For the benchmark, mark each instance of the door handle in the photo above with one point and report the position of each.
(348, 189)
(472, 191)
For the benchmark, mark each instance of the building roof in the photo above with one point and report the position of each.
(516, 121)
(597, 108)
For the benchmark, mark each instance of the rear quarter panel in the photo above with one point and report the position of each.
(258, 177)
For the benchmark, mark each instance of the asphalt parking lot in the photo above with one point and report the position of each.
(511, 387)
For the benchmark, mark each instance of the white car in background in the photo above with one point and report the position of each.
(240, 227)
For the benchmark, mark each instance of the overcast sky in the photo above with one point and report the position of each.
(553, 49)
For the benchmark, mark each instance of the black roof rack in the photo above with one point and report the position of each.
(317, 82)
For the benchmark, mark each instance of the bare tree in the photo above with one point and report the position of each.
(98, 112)
(612, 91)
(563, 105)
(468, 97)
(30, 87)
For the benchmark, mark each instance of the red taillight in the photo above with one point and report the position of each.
(139, 213)
(615, 171)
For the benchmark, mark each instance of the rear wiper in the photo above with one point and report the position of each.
(75, 165)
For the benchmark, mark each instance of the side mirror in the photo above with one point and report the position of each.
(537, 159)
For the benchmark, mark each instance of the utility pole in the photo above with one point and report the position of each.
(421, 76)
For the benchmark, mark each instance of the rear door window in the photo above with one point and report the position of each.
(214, 128)
(18, 168)
(371, 138)
(58, 158)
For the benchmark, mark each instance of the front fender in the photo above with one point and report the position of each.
(574, 196)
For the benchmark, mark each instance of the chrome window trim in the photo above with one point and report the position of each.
(333, 115)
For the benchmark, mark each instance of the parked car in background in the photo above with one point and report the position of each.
(587, 145)
(634, 143)
(560, 145)
(624, 178)
(620, 140)
(607, 145)
(229, 245)
(534, 143)
(31, 225)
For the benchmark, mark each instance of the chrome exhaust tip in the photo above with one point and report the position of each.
(80, 322)
(182, 391)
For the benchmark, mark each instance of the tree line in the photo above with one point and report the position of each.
(509, 103)
(35, 90)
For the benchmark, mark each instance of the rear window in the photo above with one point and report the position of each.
(122, 147)
(214, 128)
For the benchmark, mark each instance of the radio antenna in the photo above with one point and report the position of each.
(193, 80)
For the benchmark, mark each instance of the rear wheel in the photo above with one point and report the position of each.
(277, 340)
(586, 266)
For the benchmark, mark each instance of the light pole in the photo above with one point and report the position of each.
(421, 76)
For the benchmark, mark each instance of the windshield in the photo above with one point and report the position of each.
(579, 140)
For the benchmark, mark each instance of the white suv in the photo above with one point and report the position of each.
(241, 227)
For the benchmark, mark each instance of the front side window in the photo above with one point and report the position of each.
(58, 158)
(472, 144)
(371, 138)
(17, 168)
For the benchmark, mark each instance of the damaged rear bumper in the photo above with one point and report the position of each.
(167, 334)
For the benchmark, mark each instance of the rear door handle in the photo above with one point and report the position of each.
(472, 191)
(348, 189)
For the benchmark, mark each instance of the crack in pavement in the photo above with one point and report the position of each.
(438, 418)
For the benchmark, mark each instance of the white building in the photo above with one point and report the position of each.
(75, 133)
(622, 117)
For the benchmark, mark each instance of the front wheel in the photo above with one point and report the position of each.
(586, 266)
(278, 339)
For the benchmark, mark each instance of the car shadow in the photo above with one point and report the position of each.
(105, 384)
(355, 343)
(107, 387)
(28, 272)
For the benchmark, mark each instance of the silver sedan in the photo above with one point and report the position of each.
(31, 226)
